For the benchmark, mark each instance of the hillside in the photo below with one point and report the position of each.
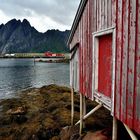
(21, 37)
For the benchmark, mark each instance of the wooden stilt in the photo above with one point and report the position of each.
(90, 113)
(72, 106)
(84, 109)
(81, 113)
(130, 132)
(34, 60)
(114, 133)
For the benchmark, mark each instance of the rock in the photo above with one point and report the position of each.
(49, 133)
(55, 138)
(41, 113)
(34, 137)
(19, 119)
(17, 111)
(70, 133)
(98, 135)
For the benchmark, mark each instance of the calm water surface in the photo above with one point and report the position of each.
(20, 74)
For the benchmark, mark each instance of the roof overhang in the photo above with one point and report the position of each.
(76, 19)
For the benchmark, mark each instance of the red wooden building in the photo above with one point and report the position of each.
(50, 54)
(105, 56)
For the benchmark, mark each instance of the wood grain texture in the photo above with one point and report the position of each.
(124, 15)
(137, 72)
(124, 60)
(118, 57)
(131, 62)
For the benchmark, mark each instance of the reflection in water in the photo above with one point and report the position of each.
(19, 74)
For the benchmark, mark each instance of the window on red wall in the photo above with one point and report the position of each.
(104, 65)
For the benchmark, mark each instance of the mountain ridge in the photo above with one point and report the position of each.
(21, 37)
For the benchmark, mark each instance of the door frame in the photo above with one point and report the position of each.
(108, 102)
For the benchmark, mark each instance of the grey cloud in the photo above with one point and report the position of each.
(61, 11)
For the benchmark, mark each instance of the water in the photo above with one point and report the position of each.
(20, 74)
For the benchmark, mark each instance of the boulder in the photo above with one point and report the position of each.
(70, 133)
(98, 135)
(17, 111)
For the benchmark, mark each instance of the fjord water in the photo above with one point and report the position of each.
(19, 74)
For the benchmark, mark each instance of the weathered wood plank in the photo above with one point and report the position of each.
(124, 60)
(80, 55)
(109, 11)
(82, 44)
(113, 12)
(114, 38)
(88, 34)
(94, 15)
(72, 106)
(102, 14)
(84, 48)
(131, 62)
(137, 85)
(71, 75)
(90, 48)
(97, 8)
(106, 14)
(81, 113)
(75, 38)
(87, 48)
(118, 63)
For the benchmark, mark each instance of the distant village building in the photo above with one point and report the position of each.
(9, 55)
(105, 58)
(50, 54)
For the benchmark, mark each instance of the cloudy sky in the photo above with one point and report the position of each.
(42, 14)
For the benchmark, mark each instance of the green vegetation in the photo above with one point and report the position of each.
(24, 55)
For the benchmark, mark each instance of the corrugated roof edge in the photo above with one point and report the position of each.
(76, 20)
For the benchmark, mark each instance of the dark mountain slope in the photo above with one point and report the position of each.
(21, 37)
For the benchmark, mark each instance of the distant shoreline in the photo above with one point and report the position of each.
(42, 59)
(53, 60)
(29, 57)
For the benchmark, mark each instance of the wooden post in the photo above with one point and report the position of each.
(84, 109)
(72, 106)
(130, 132)
(90, 113)
(81, 113)
(34, 60)
(114, 133)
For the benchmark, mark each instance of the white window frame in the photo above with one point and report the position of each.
(108, 103)
(74, 71)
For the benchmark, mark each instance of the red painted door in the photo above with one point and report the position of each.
(105, 65)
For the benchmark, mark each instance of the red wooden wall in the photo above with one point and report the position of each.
(125, 16)
(127, 101)
(97, 15)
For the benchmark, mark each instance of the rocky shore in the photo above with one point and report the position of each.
(45, 114)
(53, 61)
